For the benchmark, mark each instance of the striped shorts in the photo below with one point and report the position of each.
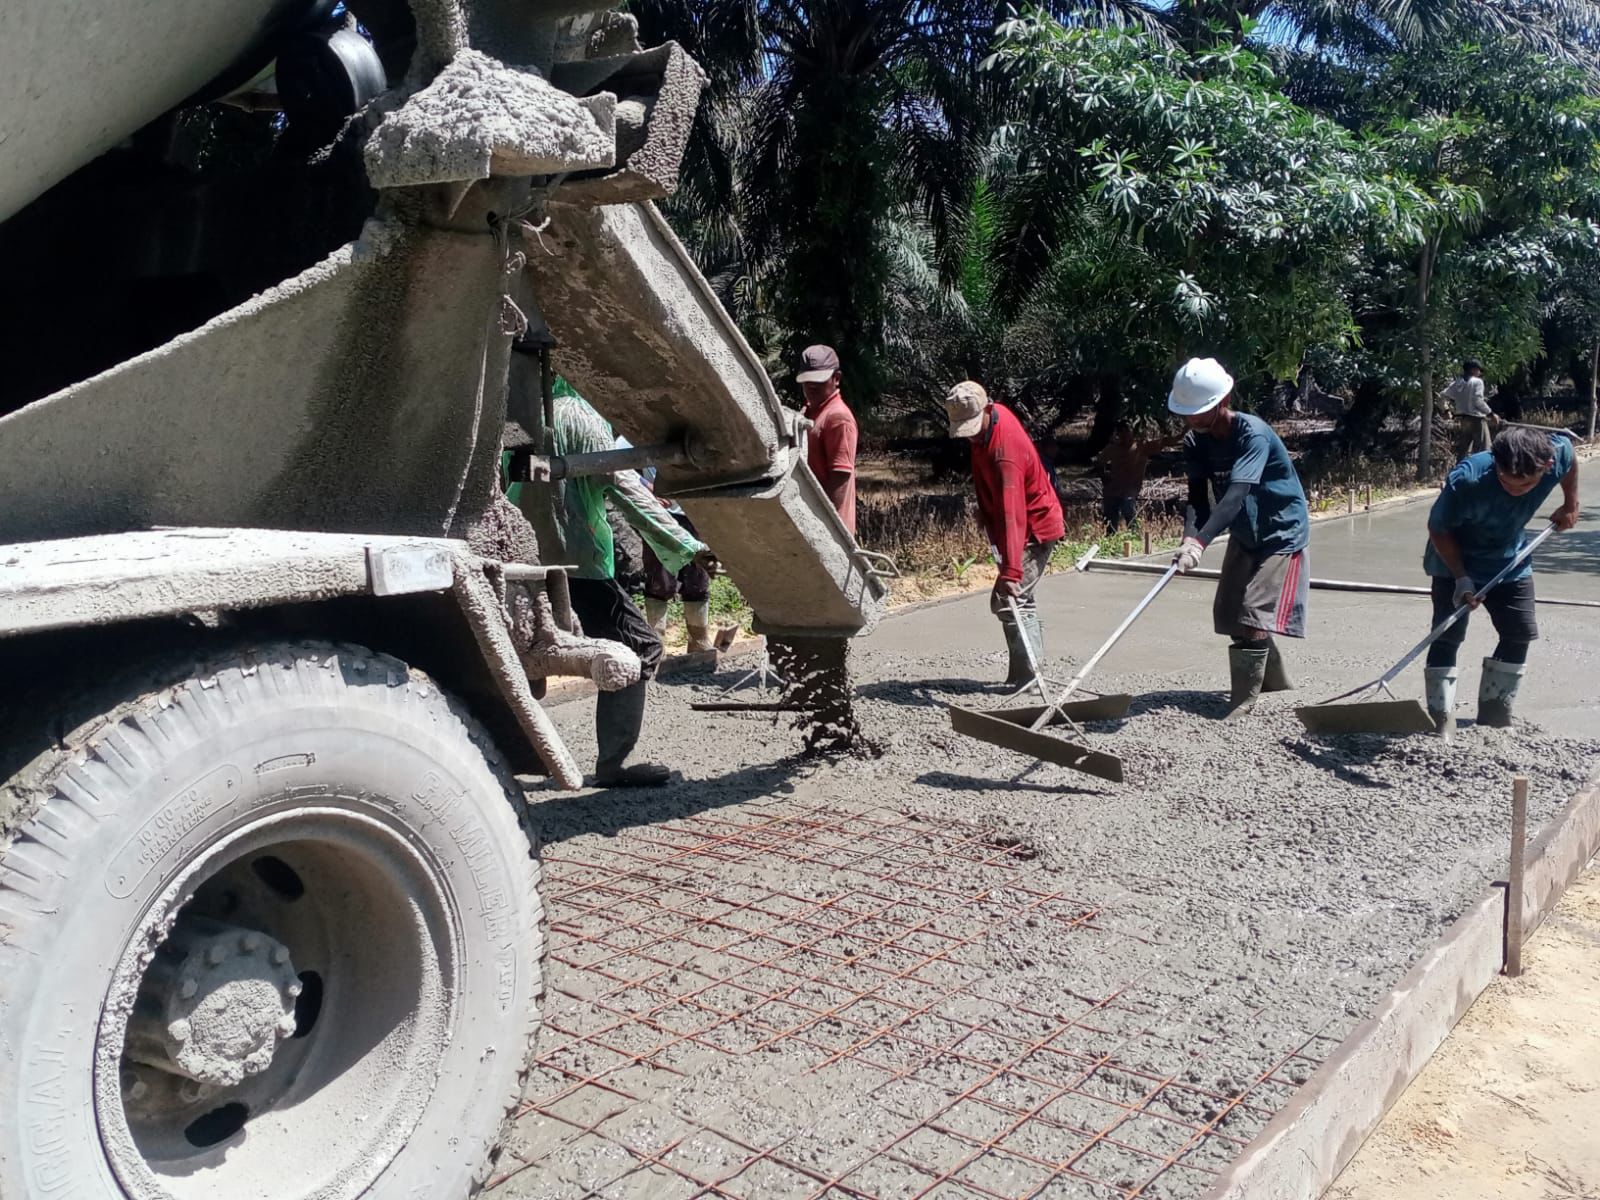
(1264, 592)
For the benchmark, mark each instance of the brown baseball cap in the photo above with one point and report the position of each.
(965, 405)
(817, 364)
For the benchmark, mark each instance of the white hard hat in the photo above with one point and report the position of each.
(1200, 385)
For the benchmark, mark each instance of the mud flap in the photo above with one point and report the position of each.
(1008, 728)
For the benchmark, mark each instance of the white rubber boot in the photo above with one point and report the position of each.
(1441, 688)
(655, 611)
(697, 617)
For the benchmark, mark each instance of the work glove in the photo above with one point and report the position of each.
(1466, 593)
(1188, 556)
(708, 562)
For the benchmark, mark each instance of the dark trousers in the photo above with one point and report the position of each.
(605, 611)
(1119, 511)
(692, 583)
(1511, 608)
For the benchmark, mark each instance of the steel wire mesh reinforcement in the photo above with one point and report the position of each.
(784, 1001)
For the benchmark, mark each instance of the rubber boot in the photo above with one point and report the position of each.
(1018, 672)
(1441, 688)
(655, 611)
(697, 618)
(1497, 692)
(1277, 677)
(1247, 668)
(618, 717)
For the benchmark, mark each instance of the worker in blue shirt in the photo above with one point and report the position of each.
(1476, 529)
(1242, 483)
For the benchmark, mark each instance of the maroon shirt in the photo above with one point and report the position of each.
(831, 446)
(1015, 498)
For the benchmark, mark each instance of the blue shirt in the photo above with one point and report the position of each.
(1274, 519)
(1489, 523)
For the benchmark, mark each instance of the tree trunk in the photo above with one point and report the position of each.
(1425, 358)
(1594, 389)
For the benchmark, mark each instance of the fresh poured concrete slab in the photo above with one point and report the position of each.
(948, 970)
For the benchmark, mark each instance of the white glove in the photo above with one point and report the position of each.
(1465, 592)
(1188, 556)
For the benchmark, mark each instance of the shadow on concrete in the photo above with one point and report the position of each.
(1343, 758)
(557, 816)
(1576, 552)
(950, 781)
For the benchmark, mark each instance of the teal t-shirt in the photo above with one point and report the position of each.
(1275, 518)
(1490, 524)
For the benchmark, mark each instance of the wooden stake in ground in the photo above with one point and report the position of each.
(1519, 840)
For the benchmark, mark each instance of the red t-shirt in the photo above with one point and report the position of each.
(1015, 498)
(831, 446)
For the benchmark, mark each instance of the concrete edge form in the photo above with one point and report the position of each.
(1313, 1138)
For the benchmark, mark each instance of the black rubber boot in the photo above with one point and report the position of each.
(1247, 668)
(618, 717)
(1277, 677)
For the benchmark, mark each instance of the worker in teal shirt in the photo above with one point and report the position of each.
(1477, 528)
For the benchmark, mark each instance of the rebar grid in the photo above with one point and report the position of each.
(672, 952)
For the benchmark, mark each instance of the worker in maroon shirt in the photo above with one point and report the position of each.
(831, 444)
(1020, 513)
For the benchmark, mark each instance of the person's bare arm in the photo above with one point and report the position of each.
(834, 485)
(1566, 516)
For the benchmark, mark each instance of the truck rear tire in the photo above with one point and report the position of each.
(269, 928)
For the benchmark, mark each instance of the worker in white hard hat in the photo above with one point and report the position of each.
(1237, 460)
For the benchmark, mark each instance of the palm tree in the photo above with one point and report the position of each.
(826, 123)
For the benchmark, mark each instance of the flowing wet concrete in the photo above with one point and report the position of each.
(950, 971)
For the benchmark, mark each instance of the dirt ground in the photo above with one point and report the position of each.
(945, 970)
(1509, 1107)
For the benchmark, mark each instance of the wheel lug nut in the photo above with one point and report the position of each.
(178, 1031)
(216, 955)
(250, 943)
(280, 955)
(294, 989)
(139, 1090)
(188, 988)
(286, 1027)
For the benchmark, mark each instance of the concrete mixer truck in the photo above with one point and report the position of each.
(276, 276)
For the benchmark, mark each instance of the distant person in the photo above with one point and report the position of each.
(1123, 464)
(1266, 577)
(831, 444)
(1477, 527)
(1474, 417)
(1020, 513)
(602, 607)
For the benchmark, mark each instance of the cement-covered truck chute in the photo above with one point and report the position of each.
(270, 637)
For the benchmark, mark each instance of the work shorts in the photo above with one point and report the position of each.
(1262, 592)
(1510, 606)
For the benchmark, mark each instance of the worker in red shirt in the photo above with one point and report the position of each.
(1020, 513)
(831, 444)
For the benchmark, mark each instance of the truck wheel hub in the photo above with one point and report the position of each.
(214, 1004)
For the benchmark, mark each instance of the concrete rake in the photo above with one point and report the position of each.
(1022, 729)
(1396, 716)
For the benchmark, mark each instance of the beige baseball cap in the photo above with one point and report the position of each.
(965, 406)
